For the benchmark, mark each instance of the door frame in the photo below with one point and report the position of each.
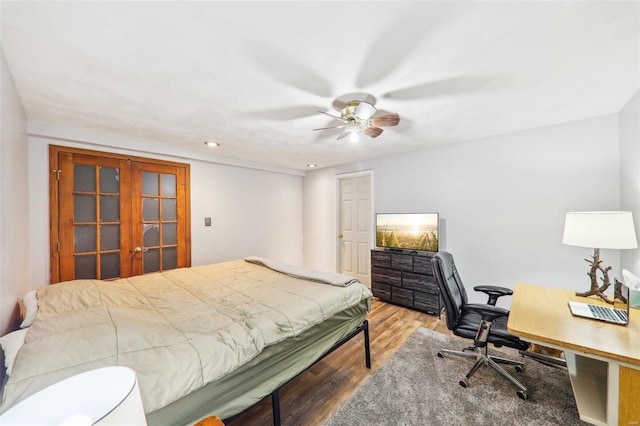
(338, 181)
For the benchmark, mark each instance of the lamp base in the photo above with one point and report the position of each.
(598, 293)
(597, 290)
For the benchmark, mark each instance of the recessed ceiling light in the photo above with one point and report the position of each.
(211, 143)
(311, 165)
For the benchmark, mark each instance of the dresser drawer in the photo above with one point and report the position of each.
(426, 301)
(402, 262)
(380, 259)
(424, 283)
(383, 291)
(422, 265)
(402, 296)
(386, 276)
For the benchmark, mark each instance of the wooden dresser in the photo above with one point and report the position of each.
(406, 279)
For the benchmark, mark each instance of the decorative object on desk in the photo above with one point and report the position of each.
(599, 230)
(633, 282)
(414, 387)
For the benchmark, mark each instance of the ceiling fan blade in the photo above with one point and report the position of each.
(285, 114)
(338, 105)
(444, 87)
(365, 110)
(399, 39)
(331, 115)
(333, 127)
(374, 132)
(288, 69)
(341, 101)
(391, 119)
(344, 134)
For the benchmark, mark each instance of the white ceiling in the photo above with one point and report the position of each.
(252, 75)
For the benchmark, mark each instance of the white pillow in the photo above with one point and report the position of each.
(31, 308)
(11, 344)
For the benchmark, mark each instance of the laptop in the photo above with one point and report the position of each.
(618, 314)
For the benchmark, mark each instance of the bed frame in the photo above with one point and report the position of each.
(269, 371)
(275, 395)
(364, 328)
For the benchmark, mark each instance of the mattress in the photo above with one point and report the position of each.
(179, 330)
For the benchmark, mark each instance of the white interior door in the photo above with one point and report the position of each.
(355, 227)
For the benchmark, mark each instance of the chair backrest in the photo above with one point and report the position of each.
(451, 287)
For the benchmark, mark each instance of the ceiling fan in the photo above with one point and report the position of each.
(359, 116)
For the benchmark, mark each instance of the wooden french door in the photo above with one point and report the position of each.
(159, 224)
(114, 216)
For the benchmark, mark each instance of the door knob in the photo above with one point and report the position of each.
(340, 235)
(139, 249)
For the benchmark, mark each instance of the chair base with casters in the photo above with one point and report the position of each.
(481, 354)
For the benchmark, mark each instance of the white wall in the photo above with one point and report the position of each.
(14, 190)
(630, 175)
(253, 212)
(502, 199)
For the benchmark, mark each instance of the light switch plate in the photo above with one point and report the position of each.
(207, 221)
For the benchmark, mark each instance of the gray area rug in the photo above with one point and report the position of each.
(415, 387)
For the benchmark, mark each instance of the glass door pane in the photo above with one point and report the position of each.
(96, 219)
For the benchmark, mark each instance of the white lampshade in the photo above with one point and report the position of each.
(107, 396)
(602, 230)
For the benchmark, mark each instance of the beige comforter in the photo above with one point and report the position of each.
(178, 330)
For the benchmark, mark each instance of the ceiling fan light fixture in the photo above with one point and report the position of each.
(365, 111)
(359, 116)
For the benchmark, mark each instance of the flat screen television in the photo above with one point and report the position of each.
(407, 231)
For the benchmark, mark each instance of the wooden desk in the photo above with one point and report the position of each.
(603, 359)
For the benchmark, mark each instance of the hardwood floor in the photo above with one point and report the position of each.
(316, 394)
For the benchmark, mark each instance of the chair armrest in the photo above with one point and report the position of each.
(488, 312)
(494, 292)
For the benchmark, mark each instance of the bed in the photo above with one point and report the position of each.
(206, 340)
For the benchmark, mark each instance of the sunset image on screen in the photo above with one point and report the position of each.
(407, 231)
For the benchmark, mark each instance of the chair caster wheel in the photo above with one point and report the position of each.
(464, 382)
(440, 355)
(519, 368)
(522, 394)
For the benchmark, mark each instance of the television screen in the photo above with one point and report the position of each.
(407, 231)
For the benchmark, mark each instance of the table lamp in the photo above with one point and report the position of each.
(107, 396)
(599, 230)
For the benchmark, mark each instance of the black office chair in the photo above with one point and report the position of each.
(483, 323)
